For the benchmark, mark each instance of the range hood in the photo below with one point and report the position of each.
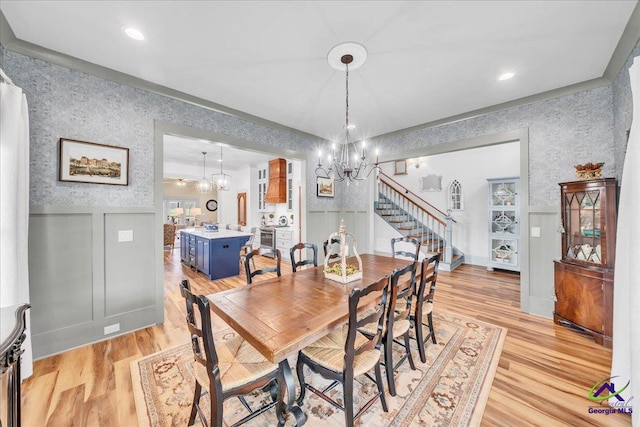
(277, 189)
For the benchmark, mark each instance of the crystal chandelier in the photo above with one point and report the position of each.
(221, 180)
(204, 186)
(347, 162)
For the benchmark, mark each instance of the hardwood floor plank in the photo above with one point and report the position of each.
(543, 377)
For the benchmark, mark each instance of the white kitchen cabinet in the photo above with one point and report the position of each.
(284, 240)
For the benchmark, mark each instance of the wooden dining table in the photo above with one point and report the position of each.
(282, 315)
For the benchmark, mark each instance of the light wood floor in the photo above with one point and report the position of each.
(543, 378)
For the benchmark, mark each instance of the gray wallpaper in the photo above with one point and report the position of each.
(71, 104)
(563, 131)
(623, 111)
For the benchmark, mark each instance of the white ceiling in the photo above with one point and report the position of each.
(427, 60)
(183, 157)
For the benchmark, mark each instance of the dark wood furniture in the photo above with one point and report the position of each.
(398, 323)
(282, 315)
(231, 369)
(584, 275)
(400, 252)
(353, 356)
(308, 261)
(12, 327)
(271, 253)
(277, 190)
(424, 303)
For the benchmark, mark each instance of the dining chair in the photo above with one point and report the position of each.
(227, 368)
(424, 303)
(308, 261)
(274, 253)
(398, 321)
(325, 246)
(169, 235)
(248, 247)
(345, 353)
(402, 243)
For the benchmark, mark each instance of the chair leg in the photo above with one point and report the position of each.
(407, 347)
(383, 397)
(348, 399)
(433, 332)
(388, 366)
(216, 409)
(419, 338)
(194, 406)
(300, 373)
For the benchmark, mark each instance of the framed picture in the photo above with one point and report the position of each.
(325, 187)
(400, 167)
(89, 162)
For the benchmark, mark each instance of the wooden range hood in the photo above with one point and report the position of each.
(277, 189)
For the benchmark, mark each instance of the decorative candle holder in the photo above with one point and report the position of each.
(340, 271)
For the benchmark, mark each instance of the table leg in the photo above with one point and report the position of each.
(289, 407)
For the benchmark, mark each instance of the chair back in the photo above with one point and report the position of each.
(402, 242)
(247, 247)
(199, 325)
(169, 234)
(262, 251)
(303, 246)
(377, 291)
(325, 246)
(403, 286)
(428, 278)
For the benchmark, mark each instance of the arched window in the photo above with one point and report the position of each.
(456, 199)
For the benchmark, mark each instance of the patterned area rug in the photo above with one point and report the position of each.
(451, 389)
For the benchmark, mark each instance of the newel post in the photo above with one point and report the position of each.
(448, 239)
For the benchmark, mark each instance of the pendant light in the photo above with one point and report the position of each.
(204, 186)
(221, 180)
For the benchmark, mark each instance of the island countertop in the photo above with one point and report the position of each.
(222, 234)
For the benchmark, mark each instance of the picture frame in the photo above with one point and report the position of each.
(431, 182)
(325, 187)
(400, 167)
(93, 163)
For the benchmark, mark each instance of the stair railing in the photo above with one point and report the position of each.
(415, 210)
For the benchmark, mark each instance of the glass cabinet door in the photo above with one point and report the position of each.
(503, 194)
(582, 226)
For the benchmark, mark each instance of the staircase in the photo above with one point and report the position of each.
(412, 216)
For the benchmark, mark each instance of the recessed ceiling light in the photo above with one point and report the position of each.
(506, 76)
(133, 33)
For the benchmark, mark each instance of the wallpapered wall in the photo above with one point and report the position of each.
(71, 104)
(623, 111)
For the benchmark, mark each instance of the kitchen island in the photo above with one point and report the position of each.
(214, 253)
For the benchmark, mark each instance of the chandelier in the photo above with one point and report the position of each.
(347, 162)
(221, 180)
(204, 186)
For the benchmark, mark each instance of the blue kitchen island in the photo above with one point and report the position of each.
(213, 253)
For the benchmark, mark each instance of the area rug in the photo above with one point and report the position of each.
(450, 389)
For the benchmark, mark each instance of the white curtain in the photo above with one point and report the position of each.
(626, 298)
(14, 204)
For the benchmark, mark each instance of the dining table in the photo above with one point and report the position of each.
(281, 315)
